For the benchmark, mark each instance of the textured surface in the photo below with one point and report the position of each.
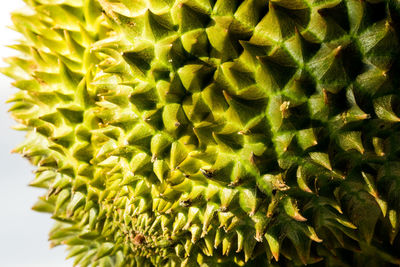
(205, 132)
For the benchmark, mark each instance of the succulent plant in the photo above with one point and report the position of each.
(213, 132)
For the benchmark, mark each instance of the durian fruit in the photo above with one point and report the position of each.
(213, 132)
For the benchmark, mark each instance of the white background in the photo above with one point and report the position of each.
(23, 232)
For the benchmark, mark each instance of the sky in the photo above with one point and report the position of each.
(23, 232)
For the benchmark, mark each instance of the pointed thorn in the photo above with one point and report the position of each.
(226, 95)
(326, 100)
(337, 50)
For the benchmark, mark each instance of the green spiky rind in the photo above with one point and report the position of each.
(200, 132)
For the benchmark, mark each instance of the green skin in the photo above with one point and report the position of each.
(214, 133)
